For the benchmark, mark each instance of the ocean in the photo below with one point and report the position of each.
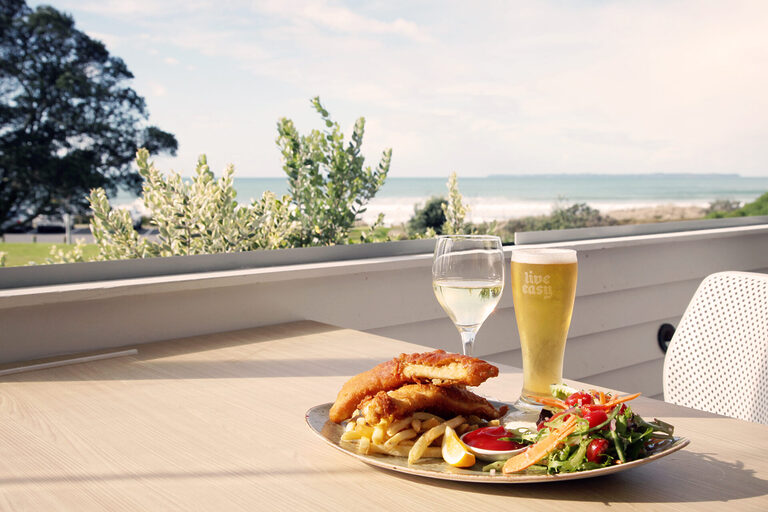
(509, 196)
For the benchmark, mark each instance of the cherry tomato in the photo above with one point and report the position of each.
(579, 398)
(596, 449)
(594, 416)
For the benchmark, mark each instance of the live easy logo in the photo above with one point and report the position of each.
(537, 284)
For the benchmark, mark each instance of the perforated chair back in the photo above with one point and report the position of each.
(717, 360)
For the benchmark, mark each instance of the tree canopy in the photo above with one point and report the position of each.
(69, 121)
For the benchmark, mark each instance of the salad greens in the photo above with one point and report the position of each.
(596, 430)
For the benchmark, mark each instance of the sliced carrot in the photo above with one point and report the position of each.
(538, 451)
(550, 401)
(622, 399)
(601, 398)
(613, 402)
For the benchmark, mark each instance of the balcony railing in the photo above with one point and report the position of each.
(628, 286)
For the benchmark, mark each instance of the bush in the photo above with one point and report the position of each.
(455, 210)
(328, 184)
(719, 207)
(757, 207)
(576, 215)
(431, 215)
(197, 217)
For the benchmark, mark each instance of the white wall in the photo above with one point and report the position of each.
(627, 288)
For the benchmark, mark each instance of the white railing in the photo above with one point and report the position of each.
(628, 286)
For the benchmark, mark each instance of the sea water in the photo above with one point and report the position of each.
(510, 196)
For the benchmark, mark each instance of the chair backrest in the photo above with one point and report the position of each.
(717, 360)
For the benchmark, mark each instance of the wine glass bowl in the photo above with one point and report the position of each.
(468, 280)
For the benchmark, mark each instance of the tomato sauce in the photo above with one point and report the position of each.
(487, 438)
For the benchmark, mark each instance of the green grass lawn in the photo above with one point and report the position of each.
(22, 254)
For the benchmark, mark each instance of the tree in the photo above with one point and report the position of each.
(432, 215)
(69, 122)
(327, 181)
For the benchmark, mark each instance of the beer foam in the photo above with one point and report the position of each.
(544, 256)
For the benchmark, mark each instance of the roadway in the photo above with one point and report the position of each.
(58, 238)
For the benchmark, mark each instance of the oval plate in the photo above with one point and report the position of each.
(317, 419)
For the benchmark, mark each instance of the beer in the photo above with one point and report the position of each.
(543, 291)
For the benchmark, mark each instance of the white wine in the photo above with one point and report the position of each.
(468, 302)
(468, 278)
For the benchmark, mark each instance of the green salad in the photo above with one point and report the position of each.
(583, 430)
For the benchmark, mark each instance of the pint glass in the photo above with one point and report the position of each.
(543, 291)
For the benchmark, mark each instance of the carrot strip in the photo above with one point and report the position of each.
(601, 398)
(538, 451)
(613, 402)
(622, 399)
(551, 401)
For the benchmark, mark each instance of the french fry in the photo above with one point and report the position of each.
(426, 416)
(378, 435)
(399, 425)
(357, 432)
(364, 446)
(416, 425)
(350, 435)
(402, 451)
(401, 436)
(462, 429)
(365, 431)
(398, 451)
(420, 446)
(430, 423)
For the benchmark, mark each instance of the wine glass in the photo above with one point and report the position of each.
(468, 278)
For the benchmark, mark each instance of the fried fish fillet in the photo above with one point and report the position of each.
(437, 367)
(444, 401)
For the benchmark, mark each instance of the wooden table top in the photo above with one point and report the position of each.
(216, 422)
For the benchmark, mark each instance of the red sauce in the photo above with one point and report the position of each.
(487, 438)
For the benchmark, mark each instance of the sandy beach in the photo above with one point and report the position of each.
(397, 211)
(659, 213)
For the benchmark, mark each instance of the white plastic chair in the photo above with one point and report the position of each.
(717, 360)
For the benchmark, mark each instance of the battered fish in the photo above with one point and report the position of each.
(438, 367)
(444, 401)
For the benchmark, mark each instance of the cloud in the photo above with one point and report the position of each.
(515, 86)
(158, 90)
(138, 8)
(334, 17)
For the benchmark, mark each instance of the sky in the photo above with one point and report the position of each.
(479, 88)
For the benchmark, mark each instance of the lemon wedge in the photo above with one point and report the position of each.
(455, 452)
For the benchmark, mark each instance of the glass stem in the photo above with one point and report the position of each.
(467, 340)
